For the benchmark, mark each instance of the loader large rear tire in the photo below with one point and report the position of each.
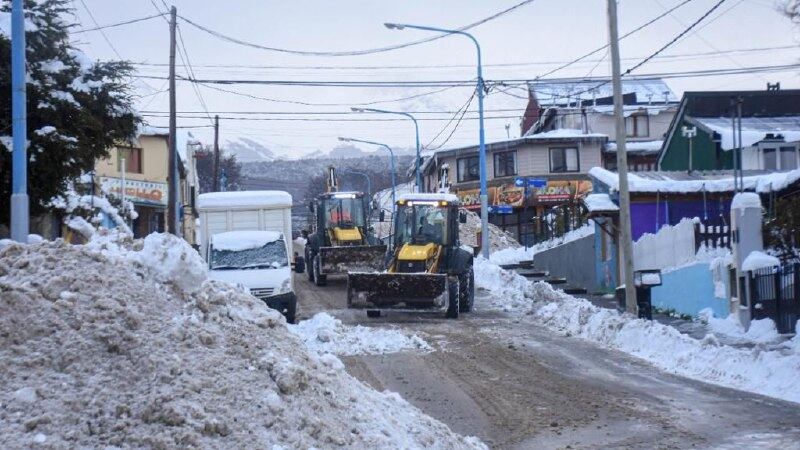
(452, 301)
(310, 265)
(466, 290)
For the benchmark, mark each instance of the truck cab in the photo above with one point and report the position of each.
(256, 261)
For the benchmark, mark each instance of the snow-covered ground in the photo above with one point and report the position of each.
(325, 334)
(121, 343)
(767, 371)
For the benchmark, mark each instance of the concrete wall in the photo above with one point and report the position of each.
(573, 261)
(688, 290)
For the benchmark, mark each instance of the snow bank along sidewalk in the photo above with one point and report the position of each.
(772, 372)
(123, 344)
(325, 334)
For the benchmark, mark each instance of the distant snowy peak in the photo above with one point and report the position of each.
(248, 150)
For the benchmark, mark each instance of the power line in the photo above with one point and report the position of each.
(455, 127)
(114, 25)
(351, 52)
(692, 55)
(312, 119)
(635, 30)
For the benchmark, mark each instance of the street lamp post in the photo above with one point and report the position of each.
(416, 132)
(391, 163)
(19, 159)
(481, 135)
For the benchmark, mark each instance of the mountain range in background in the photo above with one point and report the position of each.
(251, 151)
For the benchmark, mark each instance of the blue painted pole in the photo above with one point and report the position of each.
(394, 184)
(417, 167)
(19, 164)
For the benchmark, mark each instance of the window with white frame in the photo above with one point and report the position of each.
(564, 159)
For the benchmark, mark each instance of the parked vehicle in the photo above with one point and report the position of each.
(427, 269)
(340, 239)
(246, 238)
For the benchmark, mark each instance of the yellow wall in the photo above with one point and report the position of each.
(154, 161)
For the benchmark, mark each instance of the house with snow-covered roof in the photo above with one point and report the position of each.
(587, 104)
(528, 178)
(770, 131)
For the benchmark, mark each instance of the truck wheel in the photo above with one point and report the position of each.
(466, 290)
(319, 279)
(452, 299)
(310, 265)
(373, 313)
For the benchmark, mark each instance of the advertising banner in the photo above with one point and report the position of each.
(471, 198)
(509, 195)
(142, 192)
(561, 191)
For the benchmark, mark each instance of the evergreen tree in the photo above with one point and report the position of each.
(229, 168)
(76, 108)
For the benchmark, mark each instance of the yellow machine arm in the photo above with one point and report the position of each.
(430, 253)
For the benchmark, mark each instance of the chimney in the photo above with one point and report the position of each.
(774, 86)
(666, 97)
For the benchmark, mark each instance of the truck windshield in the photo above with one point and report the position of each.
(420, 224)
(270, 256)
(343, 212)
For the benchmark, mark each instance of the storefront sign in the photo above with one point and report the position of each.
(512, 196)
(561, 191)
(143, 192)
(471, 198)
(501, 209)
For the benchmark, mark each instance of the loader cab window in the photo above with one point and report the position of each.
(344, 212)
(421, 224)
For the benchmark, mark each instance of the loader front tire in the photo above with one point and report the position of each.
(452, 300)
(466, 290)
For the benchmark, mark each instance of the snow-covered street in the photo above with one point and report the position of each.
(517, 384)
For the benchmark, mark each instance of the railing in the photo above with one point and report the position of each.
(774, 295)
(711, 236)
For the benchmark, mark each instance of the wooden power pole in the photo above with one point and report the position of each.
(625, 238)
(172, 176)
(216, 155)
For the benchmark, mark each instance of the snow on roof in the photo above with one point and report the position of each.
(754, 129)
(744, 200)
(564, 133)
(628, 110)
(570, 90)
(243, 198)
(600, 203)
(429, 196)
(681, 182)
(759, 260)
(637, 147)
(237, 241)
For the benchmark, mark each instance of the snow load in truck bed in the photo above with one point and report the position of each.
(237, 241)
(243, 198)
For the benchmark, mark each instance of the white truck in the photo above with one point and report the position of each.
(246, 238)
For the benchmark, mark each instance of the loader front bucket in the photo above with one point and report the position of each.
(339, 260)
(411, 291)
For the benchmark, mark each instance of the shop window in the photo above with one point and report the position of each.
(505, 164)
(564, 160)
(637, 125)
(132, 157)
(468, 169)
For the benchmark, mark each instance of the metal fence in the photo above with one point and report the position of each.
(774, 295)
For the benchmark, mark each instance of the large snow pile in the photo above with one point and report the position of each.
(97, 353)
(760, 331)
(771, 372)
(498, 239)
(325, 334)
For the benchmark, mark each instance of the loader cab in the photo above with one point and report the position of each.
(423, 221)
(341, 210)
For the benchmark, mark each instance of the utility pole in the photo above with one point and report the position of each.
(20, 224)
(216, 155)
(626, 241)
(172, 197)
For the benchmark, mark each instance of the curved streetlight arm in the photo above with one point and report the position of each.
(417, 168)
(391, 164)
(481, 133)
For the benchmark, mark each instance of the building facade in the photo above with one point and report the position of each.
(534, 183)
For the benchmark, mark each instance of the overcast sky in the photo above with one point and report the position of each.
(538, 34)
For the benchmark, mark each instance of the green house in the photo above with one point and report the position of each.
(767, 116)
